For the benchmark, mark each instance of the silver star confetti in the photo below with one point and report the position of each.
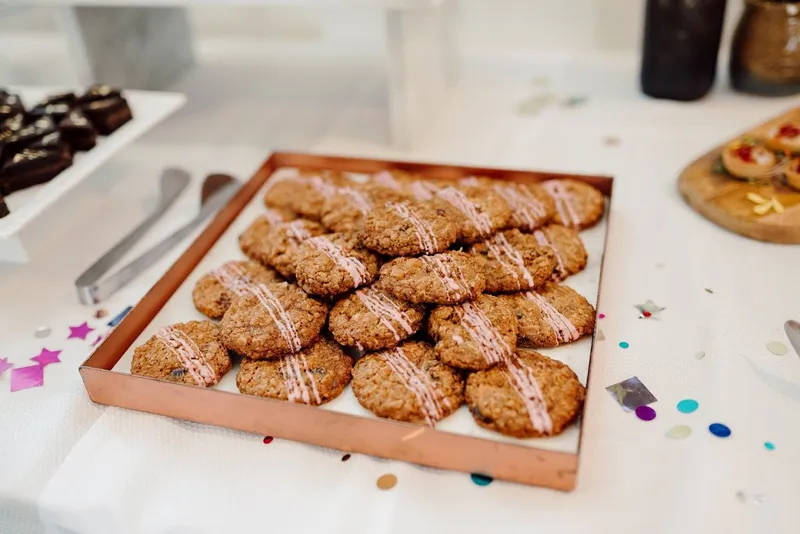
(793, 333)
(650, 310)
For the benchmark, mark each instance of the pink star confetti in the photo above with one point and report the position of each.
(46, 357)
(80, 331)
(5, 366)
(27, 377)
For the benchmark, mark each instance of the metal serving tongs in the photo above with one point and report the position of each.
(217, 190)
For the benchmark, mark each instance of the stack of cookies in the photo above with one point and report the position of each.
(439, 291)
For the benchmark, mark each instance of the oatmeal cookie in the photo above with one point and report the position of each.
(447, 278)
(278, 248)
(371, 319)
(578, 204)
(272, 320)
(531, 206)
(314, 376)
(513, 261)
(410, 228)
(551, 316)
(305, 192)
(528, 395)
(214, 292)
(188, 353)
(251, 241)
(345, 210)
(483, 211)
(474, 335)
(408, 384)
(331, 264)
(565, 242)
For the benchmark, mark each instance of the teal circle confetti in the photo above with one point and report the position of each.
(624, 344)
(687, 405)
(769, 445)
(719, 430)
(481, 480)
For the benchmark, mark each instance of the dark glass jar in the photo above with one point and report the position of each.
(681, 43)
(765, 56)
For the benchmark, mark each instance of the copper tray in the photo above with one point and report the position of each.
(379, 437)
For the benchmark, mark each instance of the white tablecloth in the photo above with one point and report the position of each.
(70, 466)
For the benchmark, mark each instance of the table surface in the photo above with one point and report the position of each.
(70, 466)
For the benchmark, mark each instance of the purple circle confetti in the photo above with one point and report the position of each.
(645, 413)
(719, 430)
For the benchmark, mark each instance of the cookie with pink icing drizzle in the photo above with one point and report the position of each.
(571, 256)
(551, 316)
(270, 321)
(527, 395)
(482, 212)
(578, 204)
(513, 261)
(213, 293)
(372, 319)
(474, 335)
(314, 376)
(188, 353)
(345, 210)
(277, 247)
(304, 191)
(408, 383)
(447, 278)
(410, 228)
(332, 264)
(531, 206)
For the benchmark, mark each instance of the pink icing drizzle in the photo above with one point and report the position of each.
(385, 310)
(453, 282)
(188, 354)
(358, 199)
(542, 239)
(524, 383)
(232, 278)
(273, 217)
(510, 259)
(564, 202)
(354, 266)
(422, 190)
(425, 236)
(322, 186)
(296, 231)
(463, 204)
(429, 398)
(564, 329)
(523, 204)
(279, 315)
(296, 388)
(481, 329)
(386, 179)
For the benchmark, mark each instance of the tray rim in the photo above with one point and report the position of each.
(347, 432)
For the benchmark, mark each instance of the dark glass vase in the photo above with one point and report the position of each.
(765, 56)
(681, 43)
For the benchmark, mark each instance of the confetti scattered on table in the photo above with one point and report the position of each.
(777, 348)
(387, 482)
(4, 366)
(645, 413)
(709, 291)
(80, 331)
(267, 440)
(650, 310)
(97, 340)
(100, 313)
(481, 480)
(611, 140)
(699, 354)
(345, 457)
(769, 445)
(719, 430)
(792, 329)
(119, 317)
(46, 357)
(600, 335)
(42, 332)
(631, 393)
(624, 344)
(687, 405)
(679, 432)
(601, 316)
(27, 377)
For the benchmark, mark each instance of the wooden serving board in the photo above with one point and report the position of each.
(723, 199)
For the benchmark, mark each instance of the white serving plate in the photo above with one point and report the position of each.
(148, 107)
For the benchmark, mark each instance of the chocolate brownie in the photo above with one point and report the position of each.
(30, 133)
(314, 376)
(328, 265)
(513, 261)
(371, 319)
(528, 395)
(551, 316)
(483, 211)
(188, 353)
(273, 320)
(474, 335)
(578, 204)
(98, 91)
(77, 131)
(3, 207)
(56, 111)
(108, 115)
(214, 292)
(410, 228)
(408, 384)
(31, 167)
(345, 210)
(305, 192)
(447, 278)
(570, 253)
(531, 206)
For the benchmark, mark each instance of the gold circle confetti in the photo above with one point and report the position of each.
(42, 332)
(777, 348)
(679, 432)
(700, 355)
(387, 482)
